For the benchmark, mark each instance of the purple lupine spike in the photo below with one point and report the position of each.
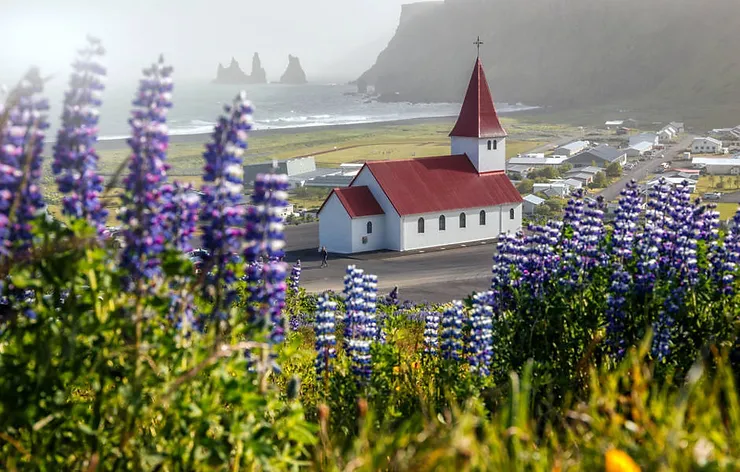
(616, 303)
(356, 339)
(625, 223)
(21, 145)
(431, 333)
(295, 277)
(75, 160)
(222, 216)
(181, 205)
(452, 322)
(326, 340)
(480, 341)
(731, 253)
(144, 222)
(370, 296)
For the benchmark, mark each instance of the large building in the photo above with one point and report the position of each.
(600, 156)
(706, 146)
(435, 201)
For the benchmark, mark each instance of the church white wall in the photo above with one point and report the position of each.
(335, 227)
(497, 221)
(362, 241)
(392, 221)
(478, 153)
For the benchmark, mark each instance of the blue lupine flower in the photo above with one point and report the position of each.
(326, 340)
(21, 144)
(222, 217)
(452, 322)
(75, 160)
(731, 252)
(356, 339)
(181, 206)
(480, 340)
(144, 222)
(295, 277)
(431, 332)
(625, 223)
(615, 315)
(370, 297)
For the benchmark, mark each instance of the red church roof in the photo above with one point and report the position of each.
(478, 118)
(436, 184)
(358, 201)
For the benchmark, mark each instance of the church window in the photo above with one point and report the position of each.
(420, 225)
(511, 214)
(494, 145)
(369, 227)
(462, 220)
(482, 217)
(442, 223)
(490, 145)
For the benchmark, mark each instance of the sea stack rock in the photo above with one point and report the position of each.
(235, 75)
(294, 74)
(231, 75)
(259, 76)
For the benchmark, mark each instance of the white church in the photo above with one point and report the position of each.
(434, 201)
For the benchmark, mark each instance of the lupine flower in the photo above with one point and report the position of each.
(356, 339)
(295, 277)
(325, 339)
(21, 144)
(180, 206)
(265, 239)
(370, 297)
(452, 322)
(731, 250)
(75, 160)
(144, 222)
(480, 341)
(615, 315)
(222, 219)
(625, 223)
(431, 332)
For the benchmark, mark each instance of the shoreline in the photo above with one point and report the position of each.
(120, 143)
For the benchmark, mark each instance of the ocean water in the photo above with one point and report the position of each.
(197, 105)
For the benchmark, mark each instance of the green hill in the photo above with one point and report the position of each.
(661, 59)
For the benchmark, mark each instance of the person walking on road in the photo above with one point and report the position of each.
(324, 257)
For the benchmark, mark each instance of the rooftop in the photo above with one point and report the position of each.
(535, 161)
(478, 117)
(533, 199)
(358, 201)
(603, 152)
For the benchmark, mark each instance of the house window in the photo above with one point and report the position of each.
(369, 227)
(511, 214)
(495, 145)
(442, 223)
(462, 220)
(490, 145)
(420, 225)
(482, 217)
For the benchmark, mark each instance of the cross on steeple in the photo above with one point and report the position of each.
(478, 44)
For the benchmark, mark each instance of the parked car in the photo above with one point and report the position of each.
(712, 196)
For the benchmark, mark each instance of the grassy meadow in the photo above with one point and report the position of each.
(330, 146)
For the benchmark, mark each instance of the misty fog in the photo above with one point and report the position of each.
(335, 39)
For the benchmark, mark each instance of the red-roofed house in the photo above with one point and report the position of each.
(434, 201)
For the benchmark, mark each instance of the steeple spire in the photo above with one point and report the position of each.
(478, 44)
(478, 117)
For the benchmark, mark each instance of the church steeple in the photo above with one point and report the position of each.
(478, 117)
(478, 132)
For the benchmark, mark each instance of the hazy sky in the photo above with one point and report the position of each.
(195, 35)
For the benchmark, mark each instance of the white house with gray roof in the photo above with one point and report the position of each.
(601, 156)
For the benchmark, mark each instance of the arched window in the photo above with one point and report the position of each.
(369, 227)
(490, 145)
(511, 214)
(495, 144)
(482, 217)
(442, 223)
(420, 225)
(462, 220)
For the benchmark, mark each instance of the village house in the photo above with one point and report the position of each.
(435, 201)
(530, 203)
(571, 149)
(537, 160)
(644, 137)
(639, 149)
(602, 156)
(554, 188)
(706, 146)
(717, 165)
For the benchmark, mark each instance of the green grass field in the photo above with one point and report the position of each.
(330, 147)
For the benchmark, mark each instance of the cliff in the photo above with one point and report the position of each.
(294, 74)
(679, 55)
(235, 75)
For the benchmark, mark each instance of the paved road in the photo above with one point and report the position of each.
(644, 169)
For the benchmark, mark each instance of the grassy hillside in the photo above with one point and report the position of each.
(654, 58)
